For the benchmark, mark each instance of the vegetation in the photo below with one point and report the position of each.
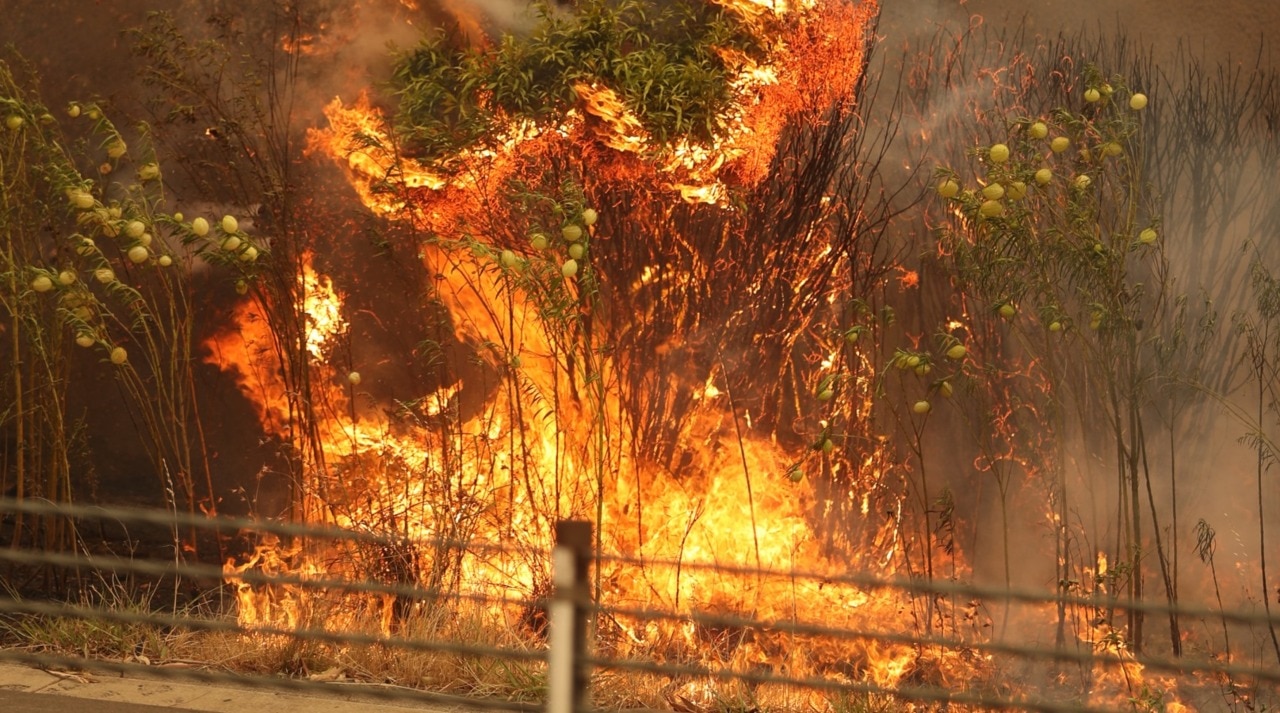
(1012, 330)
(91, 260)
(672, 65)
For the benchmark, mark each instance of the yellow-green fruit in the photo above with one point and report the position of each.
(119, 356)
(104, 275)
(1017, 190)
(73, 111)
(145, 240)
(852, 335)
(589, 217)
(1043, 176)
(353, 378)
(571, 233)
(922, 406)
(828, 446)
(826, 395)
(1007, 310)
(1147, 236)
(1083, 181)
(148, 172)
(116, 148)
(957, 352)
(999, 153)
(944, 388)
(1055, 326)
(1038, 130)
(569, 268)
(913, 361)
(948, 188)
(539, 241)
(230, 224)
(1112, 148)
(165, 261)
(923, 369)
(991, 209)
(993, 192)
(232, 243)
(796, 475)
(138, 254)
(507, 258)
(200, 227)
(14, 122)
(1059, 144)
(242, 287)
(84, 340)
(1092, 95)
(85, 247)
(81, 199)
(577, 250)
(42, 283)
(135, 229)
(66, 277)
(178, 216)
(1138, 102)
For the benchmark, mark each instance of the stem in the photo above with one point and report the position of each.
(1135, 562)
(1262, 523)
(746, 471)
(1217, 591)
(20, 471)
(1173, 488)
(1175, 636)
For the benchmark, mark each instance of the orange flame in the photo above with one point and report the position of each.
(514, 464)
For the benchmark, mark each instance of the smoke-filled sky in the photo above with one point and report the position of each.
(80, 51)
(1217, 30)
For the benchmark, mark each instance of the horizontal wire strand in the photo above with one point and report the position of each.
(227, 626)
(1182, 665)
(941, 587)
(170, 518)
(212, 572)
(397, 694)
(913, 587)
(910, 693)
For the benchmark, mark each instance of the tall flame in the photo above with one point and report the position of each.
(550, 441)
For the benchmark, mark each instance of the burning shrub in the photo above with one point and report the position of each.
(672, 65)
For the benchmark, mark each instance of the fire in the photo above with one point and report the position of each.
(552, 439)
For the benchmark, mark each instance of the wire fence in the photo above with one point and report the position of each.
(874, 644)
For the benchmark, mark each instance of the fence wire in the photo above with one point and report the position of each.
(528, 657)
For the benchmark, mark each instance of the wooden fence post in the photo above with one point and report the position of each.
(567, 676)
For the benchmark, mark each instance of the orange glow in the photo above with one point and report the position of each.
(551, 441)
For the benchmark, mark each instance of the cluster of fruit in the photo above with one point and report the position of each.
(575, 234)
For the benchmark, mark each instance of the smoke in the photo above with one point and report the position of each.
(1210, 149)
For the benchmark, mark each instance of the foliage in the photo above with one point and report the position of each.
(94, 260)
(671, 63)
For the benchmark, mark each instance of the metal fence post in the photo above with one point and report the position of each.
(567, 676)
